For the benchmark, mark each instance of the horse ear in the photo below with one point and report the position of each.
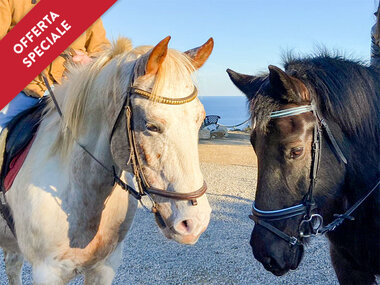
(200, 54)
(248, 84)
(287, 87)
(157, 56)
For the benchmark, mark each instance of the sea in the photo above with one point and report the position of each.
(232, 110)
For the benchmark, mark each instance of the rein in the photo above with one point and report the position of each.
(312, 224)
(144, 189)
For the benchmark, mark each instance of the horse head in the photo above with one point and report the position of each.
(164, 130)
(283, 145)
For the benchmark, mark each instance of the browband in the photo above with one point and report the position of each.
(165, 100)
(291, 111)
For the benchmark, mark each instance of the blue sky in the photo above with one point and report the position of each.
(249, 34)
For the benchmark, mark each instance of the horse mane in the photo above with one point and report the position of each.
(82, 93)
(346, 91)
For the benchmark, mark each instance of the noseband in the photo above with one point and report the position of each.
(311, 224)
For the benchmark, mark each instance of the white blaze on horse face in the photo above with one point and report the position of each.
(167, 141)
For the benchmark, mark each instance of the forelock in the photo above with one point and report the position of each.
(261, 106)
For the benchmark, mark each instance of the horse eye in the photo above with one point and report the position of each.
(152, 128)
(295, 152)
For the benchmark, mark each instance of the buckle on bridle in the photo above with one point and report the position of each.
(3, 200)
(293, 241)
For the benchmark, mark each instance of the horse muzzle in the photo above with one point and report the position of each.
(275, 255)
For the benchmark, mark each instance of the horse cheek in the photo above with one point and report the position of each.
(119, 145)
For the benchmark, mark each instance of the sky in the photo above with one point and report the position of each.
(249, 34)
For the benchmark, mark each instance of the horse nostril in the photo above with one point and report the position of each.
(184, 227)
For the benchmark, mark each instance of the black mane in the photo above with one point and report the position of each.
(346, 91)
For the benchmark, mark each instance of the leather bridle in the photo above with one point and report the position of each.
(144, 189)
(143, 185)
(311, 223)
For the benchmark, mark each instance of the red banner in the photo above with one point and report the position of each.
(40, 37)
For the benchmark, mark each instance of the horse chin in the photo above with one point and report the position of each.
(275, 255)
(186, 239)
(278, 272)
(298, 255)
(182, 239)
(292, 265)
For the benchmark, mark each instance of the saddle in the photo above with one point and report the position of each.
(16, 140)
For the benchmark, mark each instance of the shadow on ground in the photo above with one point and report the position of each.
(222, 254)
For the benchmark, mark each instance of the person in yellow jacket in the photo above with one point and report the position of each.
(92, 41)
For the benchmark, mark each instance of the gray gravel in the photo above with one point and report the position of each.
(222, 254)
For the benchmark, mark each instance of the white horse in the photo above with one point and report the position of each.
(69, 216)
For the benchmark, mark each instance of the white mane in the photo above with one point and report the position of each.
(93, 87)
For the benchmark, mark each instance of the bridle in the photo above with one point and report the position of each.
(143, 185)
(311, 224)
(144, 189)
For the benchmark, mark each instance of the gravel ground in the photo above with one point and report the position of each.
(222, 254)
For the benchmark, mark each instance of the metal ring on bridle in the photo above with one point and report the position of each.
(316, 222)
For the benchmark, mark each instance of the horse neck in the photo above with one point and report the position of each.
(356, 178)
(93, 142)
(89, 184)
(361, 175)
(363, 169)
(360, 147)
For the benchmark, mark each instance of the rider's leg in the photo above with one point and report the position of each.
(20, 103)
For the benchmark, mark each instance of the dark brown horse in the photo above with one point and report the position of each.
(331, 103)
